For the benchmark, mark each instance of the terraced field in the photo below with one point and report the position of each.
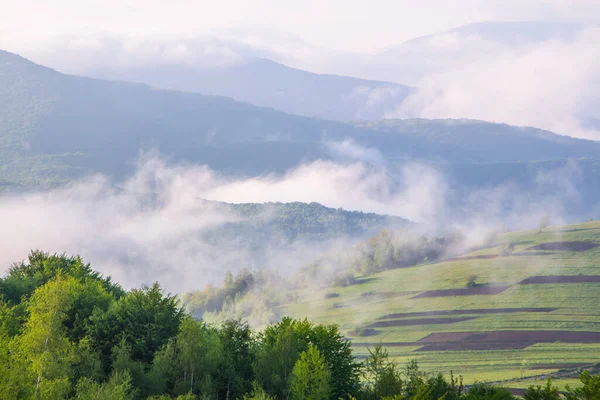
(531, 313)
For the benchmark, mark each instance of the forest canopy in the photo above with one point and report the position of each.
(67, 332)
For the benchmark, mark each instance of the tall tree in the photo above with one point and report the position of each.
(23, 278)
(310, 376)
(590, 389)
(238, 358)
(43, 346)
(338, 356)
(380, 375)
(118, 387)
(146, 318)
(279, 348)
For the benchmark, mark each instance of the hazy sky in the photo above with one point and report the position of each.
(551, 84)
(349, 25)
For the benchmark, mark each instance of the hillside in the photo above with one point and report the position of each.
(261, 227)
(302, 221)
(266, 83)
(479, 140)
(55, 127)
(513, 315)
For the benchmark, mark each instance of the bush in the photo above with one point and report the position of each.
(471, 282)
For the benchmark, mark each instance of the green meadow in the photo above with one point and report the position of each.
(544, 328)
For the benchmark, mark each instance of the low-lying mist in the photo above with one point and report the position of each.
(155, 226)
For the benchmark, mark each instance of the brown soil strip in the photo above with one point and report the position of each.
(481, 311)
(476, 291)
(459, 346)
(560, 366)
(515, 336)
(565, 246)
(388, 344)
(495, 340)
(500, 340)
(560, 279)
(418, 321)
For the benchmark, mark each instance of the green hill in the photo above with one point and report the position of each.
(513, 315)
(302, 221)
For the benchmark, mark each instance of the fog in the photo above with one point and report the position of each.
(552, 85)
(338, 25)
(154, 225)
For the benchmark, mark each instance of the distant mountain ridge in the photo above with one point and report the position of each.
(506, 32)
(55, 128)
(419, 58)
(267, 83)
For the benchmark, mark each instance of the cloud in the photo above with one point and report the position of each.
(551, 85)
(83, 54)
(344, 25)
(156, 226)
(350, 150)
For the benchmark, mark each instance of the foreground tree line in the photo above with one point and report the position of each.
(66, 332)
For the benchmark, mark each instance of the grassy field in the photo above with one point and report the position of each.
(476, 343)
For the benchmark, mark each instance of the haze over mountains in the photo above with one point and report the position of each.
(380, 168)
(260, 147)
(420, 57)
(266, 83)
(533, 73)
(57, 127)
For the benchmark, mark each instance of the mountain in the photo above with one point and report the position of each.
(266, 83)
(56, 127)
(505, 32)
(473, 141)
(419, 58)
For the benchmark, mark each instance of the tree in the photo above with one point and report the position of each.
(485, 391)
(122, 362)
(548, 392)
(279, 347)
(118, 387)
(145, 318)
(544, 222)
(190, 349)
(310, 376)
(88, 362)
(258, 393)
(380, 375)
(506, 249)
(590, 390)
(23, 278)
(236, 370)
(437, 387)
(43, 346)
(198, 353)
(340, 361)
(414, 379)
(164, 370)
(472, 282)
